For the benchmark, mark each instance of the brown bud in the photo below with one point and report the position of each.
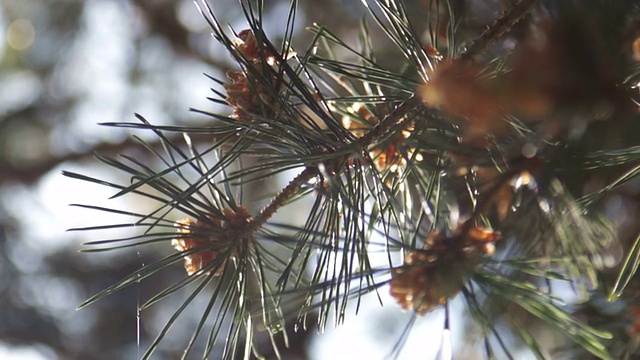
(460, 89)
(215, 237)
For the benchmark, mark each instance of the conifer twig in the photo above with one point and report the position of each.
(282, 197)
(499, 27)
(395, 118)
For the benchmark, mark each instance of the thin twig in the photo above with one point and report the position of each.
(501, 26)
(397, 117)
(280, 199)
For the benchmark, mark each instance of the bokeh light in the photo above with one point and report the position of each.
(20, 34)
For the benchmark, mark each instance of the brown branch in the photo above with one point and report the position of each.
(396, 118)
(31, 173)
(161, 17)
(287, 193)
(500, 27)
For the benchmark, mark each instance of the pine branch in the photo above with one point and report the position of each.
(286, 194)
(500, 27)
(396, 118)
(385, 163)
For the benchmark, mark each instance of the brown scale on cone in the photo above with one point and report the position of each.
(385, 157)
(432, 52)
(245, 93)
(247, 96)
(216, 237)
(431, 276)
(247, 46)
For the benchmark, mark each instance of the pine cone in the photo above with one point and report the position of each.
(215, 236)
(431, 276)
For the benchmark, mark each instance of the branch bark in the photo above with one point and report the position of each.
(500, 27)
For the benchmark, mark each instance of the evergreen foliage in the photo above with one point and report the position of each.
(476, 167)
